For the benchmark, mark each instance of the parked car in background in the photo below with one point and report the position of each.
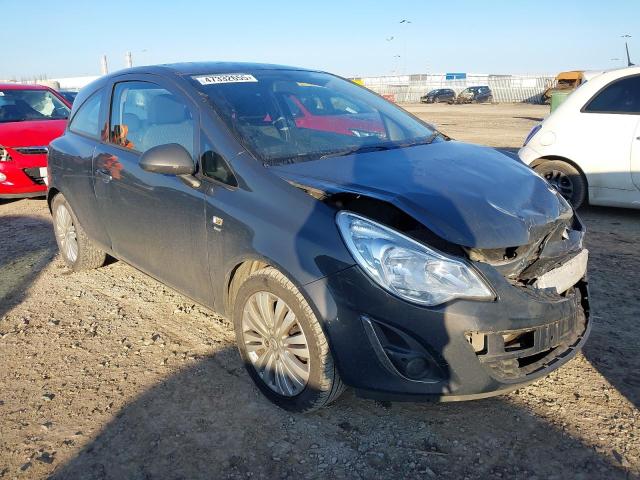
(589, 148)
(479, 94)
(30, 117)
(69, 95)
(392, 263)
(439, 95)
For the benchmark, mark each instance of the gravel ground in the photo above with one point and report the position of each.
(108, 374)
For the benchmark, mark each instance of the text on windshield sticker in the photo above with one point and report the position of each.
(225, 78)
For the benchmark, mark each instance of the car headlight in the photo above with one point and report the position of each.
(407, 268)
(4, 155)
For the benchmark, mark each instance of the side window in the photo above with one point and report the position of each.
(145, 115)
(621, 96)
(86, 121)
(214, 166)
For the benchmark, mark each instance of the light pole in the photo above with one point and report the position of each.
(389, 40)
(626, 46)
(396, 64)
(405, 22)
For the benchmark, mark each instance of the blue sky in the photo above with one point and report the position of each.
(348, 37)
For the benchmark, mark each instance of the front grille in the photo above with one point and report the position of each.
(514, 354)
(32, 150)
(34, 175)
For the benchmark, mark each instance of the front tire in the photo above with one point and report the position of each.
(77, 251)
(282, 344)
(565, 178)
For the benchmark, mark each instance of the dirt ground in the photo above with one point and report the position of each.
(108, 374)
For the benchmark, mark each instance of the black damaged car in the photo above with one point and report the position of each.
(480, 94)
(350, 243)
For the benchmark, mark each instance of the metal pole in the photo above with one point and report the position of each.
(626, 46)
(629, 63)
(405, 22)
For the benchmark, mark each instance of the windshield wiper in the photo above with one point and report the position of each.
(362, 149)
(378, 148)
(430, 138)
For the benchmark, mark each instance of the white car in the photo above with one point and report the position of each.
(589, 147)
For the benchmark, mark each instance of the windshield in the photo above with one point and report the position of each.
(27, 105)
(286, 116)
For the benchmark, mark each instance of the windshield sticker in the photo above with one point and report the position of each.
(225, 78)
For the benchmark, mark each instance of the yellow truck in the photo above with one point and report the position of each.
(565, 81)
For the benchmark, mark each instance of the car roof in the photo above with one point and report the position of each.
(597, 82)
(202, 68)
(22, 86)
(579, 97)
(609, 75)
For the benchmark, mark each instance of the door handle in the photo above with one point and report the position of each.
(104, 175)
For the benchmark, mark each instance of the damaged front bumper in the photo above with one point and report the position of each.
(387, 348)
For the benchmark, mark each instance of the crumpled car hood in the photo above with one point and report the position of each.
(469, 195)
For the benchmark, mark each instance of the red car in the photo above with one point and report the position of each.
(30, 117)
(316, 109)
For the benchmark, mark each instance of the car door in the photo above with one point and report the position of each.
(84, 133)
(156, 222)
(608, 122)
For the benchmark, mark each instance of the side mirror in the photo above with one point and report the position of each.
(170, 159)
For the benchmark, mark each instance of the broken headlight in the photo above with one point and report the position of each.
(407, 268)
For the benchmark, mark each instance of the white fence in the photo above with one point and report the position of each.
(505, 88)
(67, 83)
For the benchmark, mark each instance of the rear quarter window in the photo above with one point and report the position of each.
(86, 121)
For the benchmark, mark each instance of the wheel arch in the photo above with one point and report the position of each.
(541, 160)
(244, 268)
(51, 193)
(236, 277)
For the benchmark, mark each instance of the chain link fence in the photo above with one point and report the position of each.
(505, 88)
